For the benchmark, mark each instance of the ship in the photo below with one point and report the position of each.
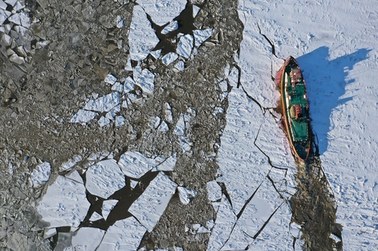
(295, 109)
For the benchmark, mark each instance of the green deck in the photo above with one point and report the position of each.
(299, 127)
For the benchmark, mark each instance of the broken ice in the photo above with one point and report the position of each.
(185, 46)
(64, 204)
(150, 206)
(104, 178)
(40, 174)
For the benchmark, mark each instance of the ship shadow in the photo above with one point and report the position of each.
(326, 81)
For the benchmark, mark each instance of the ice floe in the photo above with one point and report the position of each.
(103, 103)
(123, 235)
(149, 207)
(185, 46)
(172, 26)
(70, 163)
(224, 223)
(83, 116)
(41, 174)
(186, 194)
(162, 11)
(64, 204)
(86, 239)
(142, 38)
(214, 191)
(169, 58)
(107, 207)
(104, 178)
(135, 164)
(201, 36)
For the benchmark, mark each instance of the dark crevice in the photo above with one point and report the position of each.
(275, 188)
(266, 155)
(267, 221)
(125, 196)
(269, 41)
(248, 200)
(240, 213)
(167, 42)
(263, 226)
(224, 191)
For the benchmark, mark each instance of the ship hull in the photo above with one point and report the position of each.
(295, 109)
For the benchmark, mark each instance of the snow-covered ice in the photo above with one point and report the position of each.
(149, 207)
(144, 78)
(103, 103)
(135, 164)
(41, 174)
(339, 67)
(185, 46)
(83, 116)
(70, 163)
(64, 204)
(104, 178)
(123, 235)
(172, 26)
(201, 36)
(162, 11)
(142, 38)
(87, 238)
(186, 194)
(224, 223)
(168, 58)
(107, 207)
(214, 191)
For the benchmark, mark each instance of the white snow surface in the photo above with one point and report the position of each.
(186, 194)
(87, 239)
(335, 43)
(135, 164)
(122, 235)
(104, 178)
(107, 207)
(149, 207)
(64, 204)
(103, 103)
(41, 174)
(162, 11)
(201, 36)
(142, 38)
(185, 46)
(83, 116)
(144, 78)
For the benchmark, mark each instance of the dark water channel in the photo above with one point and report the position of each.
(314, 208)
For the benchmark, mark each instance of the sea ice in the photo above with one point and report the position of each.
(123, 235)
(201, 36)
(169, 58)
(185, 46)
(64, 204)
(104, 178)
(107, 207)
(186, 195)
(149, 207)
(83, 116)
(87, 238)
(135, 164)
(41, 174)
(162, 11)
(142, 38)
(103, 103)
